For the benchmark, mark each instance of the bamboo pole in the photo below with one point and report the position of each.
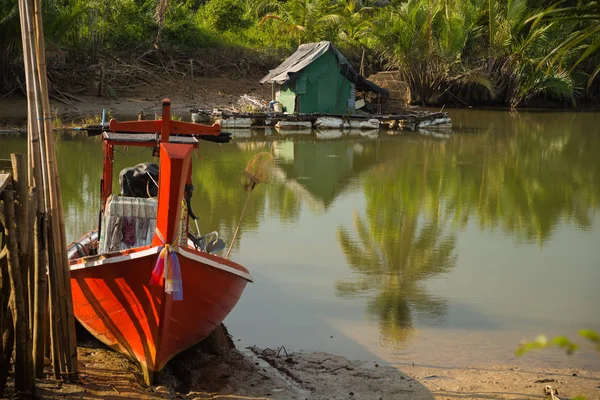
(56, 211)
(54, 313)
(40, 296)
(44, 172)
(24, 380)
(36, 178)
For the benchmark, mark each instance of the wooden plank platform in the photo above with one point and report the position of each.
(409, 120)
(148, 138)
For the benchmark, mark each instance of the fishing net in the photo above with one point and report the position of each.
(258, 170)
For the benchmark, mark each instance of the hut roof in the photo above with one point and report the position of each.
(309, 52)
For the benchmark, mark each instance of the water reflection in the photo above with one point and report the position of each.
(403, 240)
(520, 173)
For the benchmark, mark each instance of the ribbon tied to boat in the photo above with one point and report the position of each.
(167, 269)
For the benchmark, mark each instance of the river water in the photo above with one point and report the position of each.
(401, 247)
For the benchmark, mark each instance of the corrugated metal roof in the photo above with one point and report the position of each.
(309, 52)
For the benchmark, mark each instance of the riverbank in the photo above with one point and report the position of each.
(219, 92)
(254, 373)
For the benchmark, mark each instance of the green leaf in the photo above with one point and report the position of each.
(565, 343)
(590, 335)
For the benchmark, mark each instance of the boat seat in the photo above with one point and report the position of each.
(130, 222)
(127, 222)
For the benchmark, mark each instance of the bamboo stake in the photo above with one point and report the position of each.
(40, 297)
(36, 177)
(24, 381)
(54, 313)
(38, 171)
(58, 224)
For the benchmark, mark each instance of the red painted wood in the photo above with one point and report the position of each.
(176, 128)
(187, 128)
(107, 171)
(115, 302)
(135, 126)
(174, 166)
(165, 129)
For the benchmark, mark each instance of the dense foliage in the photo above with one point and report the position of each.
(470, 52)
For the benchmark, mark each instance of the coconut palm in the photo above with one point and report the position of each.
(300, 18)
(353, 19)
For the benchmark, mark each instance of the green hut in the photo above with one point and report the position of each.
(317, 78)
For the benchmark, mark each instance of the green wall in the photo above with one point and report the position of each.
(320, 88)
(287, 97)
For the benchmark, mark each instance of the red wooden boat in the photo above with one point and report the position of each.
(191, 292)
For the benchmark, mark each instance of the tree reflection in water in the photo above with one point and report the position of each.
(520, 173)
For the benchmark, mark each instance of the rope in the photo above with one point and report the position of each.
(126, 153)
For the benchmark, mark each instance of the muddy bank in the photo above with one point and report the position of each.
(215, 371)
(127, 103)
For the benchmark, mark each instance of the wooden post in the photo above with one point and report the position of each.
(101, 82)
(20, 185)
(192, 77)
(24, 380)
(8, 332)
(362, 63)
(4, 282)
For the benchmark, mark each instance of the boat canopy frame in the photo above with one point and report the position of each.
(151, 133)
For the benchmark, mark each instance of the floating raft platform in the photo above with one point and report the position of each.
(410, 120)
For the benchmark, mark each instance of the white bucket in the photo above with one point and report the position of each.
(278, 107)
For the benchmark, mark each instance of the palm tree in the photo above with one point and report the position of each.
(300, 18)
(353, 18)
(425, 40)
(584, 40)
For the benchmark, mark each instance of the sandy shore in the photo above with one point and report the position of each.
(206, 372)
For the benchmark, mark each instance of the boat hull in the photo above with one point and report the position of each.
(114, 300)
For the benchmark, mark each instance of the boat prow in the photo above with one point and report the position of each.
(141, 286)
(114, 301)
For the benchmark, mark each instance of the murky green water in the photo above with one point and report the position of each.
(406, 248)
